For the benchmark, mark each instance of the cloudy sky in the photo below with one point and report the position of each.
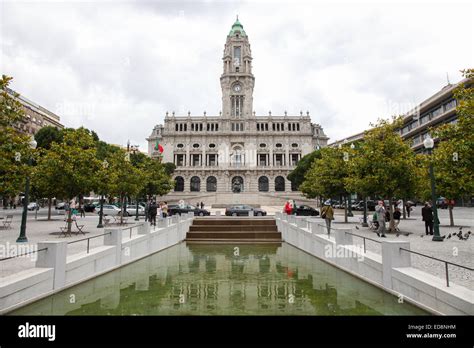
(117, 67)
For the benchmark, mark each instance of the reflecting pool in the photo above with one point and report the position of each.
(202, 279)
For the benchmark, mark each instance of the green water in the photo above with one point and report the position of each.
(224, 280)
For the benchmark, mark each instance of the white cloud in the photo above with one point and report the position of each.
(118, 67)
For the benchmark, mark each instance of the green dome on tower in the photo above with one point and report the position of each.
(237, 28)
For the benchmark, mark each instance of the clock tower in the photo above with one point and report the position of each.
(237, 80)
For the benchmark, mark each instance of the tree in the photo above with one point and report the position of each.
(157, 178)
(72, 165)
(453, 157)
(47, 135)
(326, 176)
(14, 146)
(127, 178)
(297, 175)
(384, 165)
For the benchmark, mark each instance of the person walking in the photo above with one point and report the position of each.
(159, 210)
(427, 214)
(380, 211)
(202, 205)
(327, 213)
(147, 210)
(164, 209)
(397, 214)
(408, 207)
(153, 211)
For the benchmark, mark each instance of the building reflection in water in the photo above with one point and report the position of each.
(199, 279)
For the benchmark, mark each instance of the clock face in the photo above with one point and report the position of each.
(237, 88)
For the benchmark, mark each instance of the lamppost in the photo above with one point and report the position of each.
(428, 143)
(105, 165)
(349, 212)
(22, 237)
(134, 149)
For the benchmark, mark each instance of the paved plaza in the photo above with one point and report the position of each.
(453, 249)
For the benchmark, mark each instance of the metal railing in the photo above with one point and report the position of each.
(446, 263)
(15, 256)
(88, 240)
(364, 238)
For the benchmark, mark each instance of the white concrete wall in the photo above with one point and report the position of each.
(391, 271)
(55, 271)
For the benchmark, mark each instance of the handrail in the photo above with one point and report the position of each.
(446, 263)
(88, 240)
(364, 238)
(31, 252)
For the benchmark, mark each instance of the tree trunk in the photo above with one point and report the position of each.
(404, 209)
(345, 209)
(451, 217)
(69, 220)
(121, 215)
(391, 223)
(50, 201)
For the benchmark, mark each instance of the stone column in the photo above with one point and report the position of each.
(114, 238)
(393, 257)
(54, 257)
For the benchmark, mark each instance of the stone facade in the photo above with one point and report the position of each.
(237, 151)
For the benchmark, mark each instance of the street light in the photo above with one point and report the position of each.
(22, 237)
(105, 165)
(428, 143)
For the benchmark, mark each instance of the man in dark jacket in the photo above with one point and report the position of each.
(427, 214)
(153, 210)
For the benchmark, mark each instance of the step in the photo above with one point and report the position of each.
(241, 228)
(234, 221)
(234, 235)
(234, 241)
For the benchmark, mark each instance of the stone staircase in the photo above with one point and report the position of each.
(233, 230)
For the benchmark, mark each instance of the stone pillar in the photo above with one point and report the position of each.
(55, 257)
(114, 238)
(393, 257)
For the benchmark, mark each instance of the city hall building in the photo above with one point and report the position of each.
(236, 156)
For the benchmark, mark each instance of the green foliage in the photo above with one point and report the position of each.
(14, 146)
(383, 165)
(325, 177)
(453, 157)
(297, 175)
(47, 135)
(68, 167)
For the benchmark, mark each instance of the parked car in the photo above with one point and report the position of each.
(89, 208)
(187, 208)
(306, 210)
(109, 209)
(33, 206)
(61, 206)
(131, 209)
(243, 210)
(360, 206)
(442, 203)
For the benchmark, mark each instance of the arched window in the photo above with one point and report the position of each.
(279, 183)
(195, 184)
(179, 184)
(263, 184)
(211, 184)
